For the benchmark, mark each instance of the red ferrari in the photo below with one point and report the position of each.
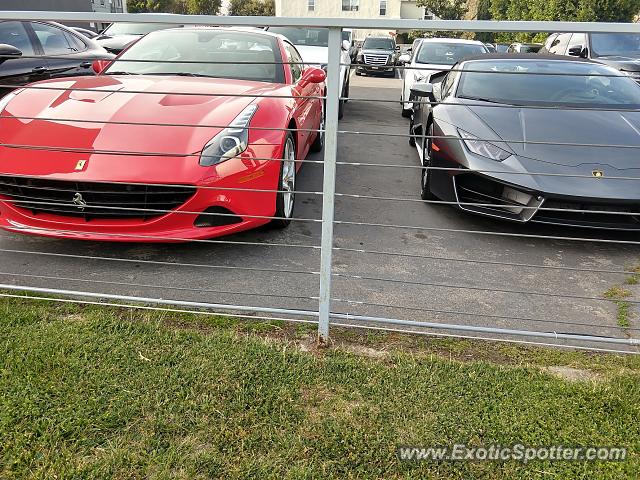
(191, 133)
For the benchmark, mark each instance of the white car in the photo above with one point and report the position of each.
(433, 55)
(313, 45)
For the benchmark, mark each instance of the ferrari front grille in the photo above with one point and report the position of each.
(92, 200)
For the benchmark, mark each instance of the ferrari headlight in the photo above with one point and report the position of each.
(482, 148)
(4, 101)
(231, 141)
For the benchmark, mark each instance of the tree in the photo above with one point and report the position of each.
(250, 8)
(203, 7)
(559, 10)
(137, 6)
(192, 7)
(445, 9)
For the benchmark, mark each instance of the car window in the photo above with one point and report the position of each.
(313, 37)
(549, 41)
(75, 41)
(447, 83)
(547, 83)
(559, 44)
(608, 44)
(296, 62)
(205, 53)
(54, 41)
(14, 33)
(577, 40)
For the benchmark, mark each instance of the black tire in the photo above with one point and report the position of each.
(412, 138)
(318, 143)
(346, 89)
(425, 180)
(406, 113)
(283, 216)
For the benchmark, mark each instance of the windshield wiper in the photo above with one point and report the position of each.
(483, 99)
(178, 74)
(119, 73)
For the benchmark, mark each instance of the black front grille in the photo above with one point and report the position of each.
(604, 215)
(90, 200)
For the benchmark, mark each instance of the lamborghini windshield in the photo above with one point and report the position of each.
(203, 53)
(547, 83)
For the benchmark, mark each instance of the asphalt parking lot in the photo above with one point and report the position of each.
(422, 289)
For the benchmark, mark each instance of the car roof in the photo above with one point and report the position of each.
(248, 29)
(527, 56)
(453, 40)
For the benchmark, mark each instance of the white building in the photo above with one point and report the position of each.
(352, 9)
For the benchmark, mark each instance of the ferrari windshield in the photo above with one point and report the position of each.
(311, 37)
(613, 44)
(447, 53)
(547, 83)
(135, 28)
(203, 53)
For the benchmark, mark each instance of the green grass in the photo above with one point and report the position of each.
(623, 312)
(90, 392)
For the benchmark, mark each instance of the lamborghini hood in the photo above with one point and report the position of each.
(80, 118)
(611, 137)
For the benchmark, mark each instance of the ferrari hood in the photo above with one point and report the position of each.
(593, 127)
(79, 118)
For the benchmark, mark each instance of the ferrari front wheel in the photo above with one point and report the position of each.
(285, 197)
(318, 143)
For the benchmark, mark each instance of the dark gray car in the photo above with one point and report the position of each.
(532, 138)
(618, 50)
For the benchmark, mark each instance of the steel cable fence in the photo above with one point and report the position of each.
(415, 289)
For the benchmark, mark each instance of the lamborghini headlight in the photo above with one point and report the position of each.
(482, 148)
(231, 141)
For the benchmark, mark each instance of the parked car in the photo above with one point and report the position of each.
(433, 55)
(618, 50)
(313, 45)
(414, 46)
(524, 47)
(27, 49)
(347, 36)
(501, 47)
(378, 55)
(118, 36)
(85, 31)
(492, 146)
(138, 176)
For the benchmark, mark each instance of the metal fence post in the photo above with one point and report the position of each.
(329, 180)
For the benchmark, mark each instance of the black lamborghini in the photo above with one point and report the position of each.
(532, 138)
